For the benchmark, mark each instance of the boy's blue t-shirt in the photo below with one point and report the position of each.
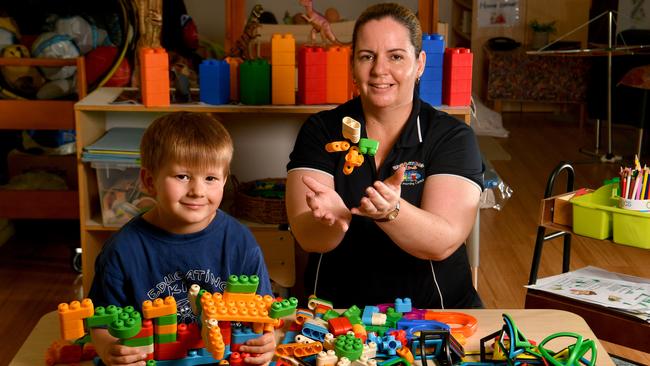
(143, 262)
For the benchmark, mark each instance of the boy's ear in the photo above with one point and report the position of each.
(147, 179)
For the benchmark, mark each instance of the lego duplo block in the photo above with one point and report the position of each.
(283, 89)
(127, 325)
(283, 308)
(312, 75)
(167, 319)
(457, 78)
(256, 311)
(143, 337)
(326, 358)
(214, 82)
(431, 80)
(255, 82)
(302, 315)
(190, 336)
(339, 75)
(368, 146)
(315, 329)
(234, 63)
(165, 329)
(348, 346)
(339, 326)
(392, 317)
(169, 351)
(240, 335)
(353, 313)
(360, 332)
(283, 50)
(154, 77)
(403, 305)
(71, 318)
(330, 314)
(159, 307)
(242, 283)
(103, 316)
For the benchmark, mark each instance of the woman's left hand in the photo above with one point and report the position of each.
(382, 197)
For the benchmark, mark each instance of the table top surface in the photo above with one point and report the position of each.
(535, 324)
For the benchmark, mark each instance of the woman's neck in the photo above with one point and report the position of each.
(390, 118)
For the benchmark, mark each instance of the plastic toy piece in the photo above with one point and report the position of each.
(307, 349)
(431, 80)
(154, 72)
(403, 305)
(242, 283)
(233, 63)
(457, 79)
(405, 353)
(337, 146)
(360, 332)
(159, 307)
(302, 315)
(283, 308)
(192, 295)
(351, 129)
(339, 75)
(368, 146)
(348, 346)
(312, 75)
(330, 314)
(328, 358)
(339, 326)
(352, 159)
(313, 302)
(143, 338)
(370, 349)
(71, 318)
(103, 316)
(328, 341)
(390, 345)
(364, 361)
(353, 313)
(394, 361)
(368, 311)
(460, 323)
(378, 319)
(283, 61)
(214, 82)
(255, 82)
(299, 338)
(240, 335)
(127, 325)
(392, 317)
(215, 307)
(214, 343)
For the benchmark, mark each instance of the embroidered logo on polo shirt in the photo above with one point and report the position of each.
(414, 173)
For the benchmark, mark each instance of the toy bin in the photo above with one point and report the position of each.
(592, 213)
(632, 228)
(120, 193)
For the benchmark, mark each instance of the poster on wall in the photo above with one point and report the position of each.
(633, 14)
(498, 13)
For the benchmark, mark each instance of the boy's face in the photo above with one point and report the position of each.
(187, 198)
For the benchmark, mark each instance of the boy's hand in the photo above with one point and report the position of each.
(263, 347)
(326, 205)
(112, 353)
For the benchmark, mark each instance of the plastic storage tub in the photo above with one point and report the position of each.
(120, 193)
(632, 228)
(592, 213)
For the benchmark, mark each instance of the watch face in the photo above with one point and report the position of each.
(392, 215)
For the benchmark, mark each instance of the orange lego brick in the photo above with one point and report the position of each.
(165, 329)
(308, 349)
(234, 63)
(238, 296)
(154, 74)
(71, 318)
(283, 50)
(283, 90)
(256, 311)
(159, 307)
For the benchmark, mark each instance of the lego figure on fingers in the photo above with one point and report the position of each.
(389, 218)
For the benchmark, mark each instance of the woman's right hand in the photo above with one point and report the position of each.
(326, 205)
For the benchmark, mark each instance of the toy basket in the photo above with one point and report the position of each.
(260, 200)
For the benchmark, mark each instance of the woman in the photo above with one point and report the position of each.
(395, 226)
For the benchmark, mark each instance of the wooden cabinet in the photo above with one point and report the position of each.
(21, 114)
(461, 23)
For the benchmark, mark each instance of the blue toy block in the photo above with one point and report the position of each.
(366, 317)
(433, 43)
(390, 345)
(314, 331)
(403, 305)
(240, 335)
(289, 337)
(214, 81)
(194, 357)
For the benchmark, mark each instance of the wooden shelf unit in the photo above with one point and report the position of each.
(461, 23)
(91, 123)
(21, 114)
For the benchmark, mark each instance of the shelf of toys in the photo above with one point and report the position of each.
(19, 114)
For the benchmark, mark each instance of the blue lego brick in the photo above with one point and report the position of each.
(366, 317)
(242, 334)
(403, 305)
(194, 357)
(433, 43)
(214, 82)
(314, 331)
(433, 73)
(289, 337)
(435, 60)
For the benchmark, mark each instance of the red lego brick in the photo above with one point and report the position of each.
(457, 77)
(169, 351)
(339, 326)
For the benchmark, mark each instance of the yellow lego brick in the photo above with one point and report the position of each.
(71, 318)
(283, 89)
(283, 50)
(159, 307)
(165, 329)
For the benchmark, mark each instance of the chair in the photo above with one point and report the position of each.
(607, 324)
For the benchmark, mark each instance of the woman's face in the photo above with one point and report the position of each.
(384, 66)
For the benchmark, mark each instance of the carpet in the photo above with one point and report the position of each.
(491, 149)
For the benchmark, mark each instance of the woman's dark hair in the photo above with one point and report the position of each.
(400, 14)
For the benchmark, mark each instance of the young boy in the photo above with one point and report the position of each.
(184, 239)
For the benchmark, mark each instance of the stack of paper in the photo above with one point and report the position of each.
(624, 293)
(119, 144)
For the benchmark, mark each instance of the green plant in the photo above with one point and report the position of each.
(543, 27)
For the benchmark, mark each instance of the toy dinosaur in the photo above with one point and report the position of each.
(242, 46)
(319, 24)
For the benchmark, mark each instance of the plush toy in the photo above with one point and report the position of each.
(24, 80)
(53, 45)
(83, 33)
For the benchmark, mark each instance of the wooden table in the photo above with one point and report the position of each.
(534, 324)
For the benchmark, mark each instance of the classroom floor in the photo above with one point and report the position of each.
(36, 272)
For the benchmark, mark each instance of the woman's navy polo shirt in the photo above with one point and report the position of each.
(367, 267)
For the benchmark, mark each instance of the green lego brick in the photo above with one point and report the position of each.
(103, 316)
(164, 338)
(167, 319)
(395, 361)
(255, 82)
(348, 346)
(138, 342)
(392, 317)
(198, 300)
(380, 330)
(368, 146)
(283, 308)
(242, 283)
(330, 314)
(127, 325)
(151, 363)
